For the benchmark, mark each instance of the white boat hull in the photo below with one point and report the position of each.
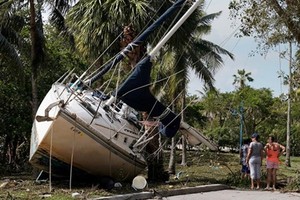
(76, 143)
(66, 133)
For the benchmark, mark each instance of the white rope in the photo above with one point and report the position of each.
(50, 161)
(72, 160)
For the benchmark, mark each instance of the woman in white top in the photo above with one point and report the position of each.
(254, 160)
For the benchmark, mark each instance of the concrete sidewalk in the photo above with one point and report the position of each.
(161, 194)
(237, 195)
(214, 191)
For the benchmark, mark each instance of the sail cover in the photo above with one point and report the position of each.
(135, 92)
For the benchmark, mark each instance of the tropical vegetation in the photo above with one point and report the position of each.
(35, 53)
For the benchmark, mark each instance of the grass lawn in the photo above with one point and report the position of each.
(202, 168)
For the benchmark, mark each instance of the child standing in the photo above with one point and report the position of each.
(245, 172)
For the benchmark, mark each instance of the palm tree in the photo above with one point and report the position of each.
(199, 55)
(10, 26)
(241, 78)
(37, 48)
(90, 21)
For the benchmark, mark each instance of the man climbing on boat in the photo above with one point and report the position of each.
(153, 152)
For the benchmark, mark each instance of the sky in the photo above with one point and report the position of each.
(264, 69)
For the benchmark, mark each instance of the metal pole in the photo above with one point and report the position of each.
(241, 125)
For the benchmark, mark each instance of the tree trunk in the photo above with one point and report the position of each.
(288, 128)
(287, 19)
(37, 55)
(171, 168)
(183, 159)
(37, 52)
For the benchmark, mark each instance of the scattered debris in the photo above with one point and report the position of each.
(117, 185)
(3, 185)
(45, 195)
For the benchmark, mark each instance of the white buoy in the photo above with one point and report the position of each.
(139, 183)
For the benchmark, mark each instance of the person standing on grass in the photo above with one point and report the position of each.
(273, 151)
(245, 172)
(254, 160)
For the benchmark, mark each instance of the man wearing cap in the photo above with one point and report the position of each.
(254, 160)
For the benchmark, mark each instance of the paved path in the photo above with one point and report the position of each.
(237, 195)
(206, 192)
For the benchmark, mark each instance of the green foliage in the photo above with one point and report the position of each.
(276, 22)
(15, 97)
(262, 113)
(235, 180)
(241, 78)
(194, 115)
(294, 183)
(15, 122)
(60, 58)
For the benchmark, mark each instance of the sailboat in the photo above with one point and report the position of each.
(80, 131)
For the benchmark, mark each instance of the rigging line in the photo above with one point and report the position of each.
(222, 44)
(192, 101)
(146, 141)
(283, 56)
(235, 45)
(149, 84)
(208, 5)
(157, 120)
(157, 151)
(107, 85)
(168, 78)
(151, 18)
(50, 160)
(72, 160)
(175, 113)
(106, 50)
(110, 80)
(173, 21)
(157, 101)
(113, 43)
(230, 36)
(94, 72)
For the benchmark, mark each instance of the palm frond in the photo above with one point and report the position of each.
(8, 50)
(207, 19)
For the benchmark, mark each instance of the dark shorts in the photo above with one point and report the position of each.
(245, 169)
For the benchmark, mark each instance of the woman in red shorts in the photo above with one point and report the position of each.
(273, 151)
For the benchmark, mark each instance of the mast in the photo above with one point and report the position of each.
(175, 28)
(135, 91)
(138, 41)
